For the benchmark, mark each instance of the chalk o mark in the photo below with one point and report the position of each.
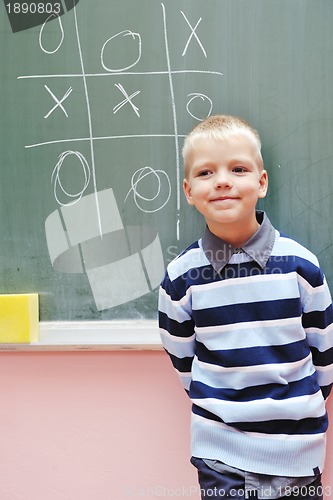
(203, 97)
(138, 177)
(58, 185)
(61, 39)
(136, 37)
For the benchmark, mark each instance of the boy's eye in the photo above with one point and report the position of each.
(239, 170)
(203, 173)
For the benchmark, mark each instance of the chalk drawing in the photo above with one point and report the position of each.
(128, 99)
(174, 115)
(193, 34)
(137, 179)
(91, 141)
(62, 35)
(59, 103)
(58, 184)
(204, 98)
(126, 33)
(86, 234)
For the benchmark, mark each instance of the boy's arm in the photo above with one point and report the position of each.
(177, 329)
(318, 325)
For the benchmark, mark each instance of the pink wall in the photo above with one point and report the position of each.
(96, 426)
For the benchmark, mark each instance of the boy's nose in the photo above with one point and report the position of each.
(222, 179)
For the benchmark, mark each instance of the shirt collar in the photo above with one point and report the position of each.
(258, 247)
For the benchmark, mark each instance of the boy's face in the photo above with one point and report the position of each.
(224, 181)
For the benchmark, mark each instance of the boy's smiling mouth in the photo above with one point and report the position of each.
(224, 198)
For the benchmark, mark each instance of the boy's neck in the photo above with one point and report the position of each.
(236, 235)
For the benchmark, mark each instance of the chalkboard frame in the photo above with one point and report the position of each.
(92, 336)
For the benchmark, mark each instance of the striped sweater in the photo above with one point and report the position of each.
(253, 348)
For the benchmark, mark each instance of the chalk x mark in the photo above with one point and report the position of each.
(58, 102)
(128, 99)
(193, 34)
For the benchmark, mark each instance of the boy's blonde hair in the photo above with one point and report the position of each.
(220, 127)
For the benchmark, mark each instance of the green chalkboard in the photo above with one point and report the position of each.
(96, 98)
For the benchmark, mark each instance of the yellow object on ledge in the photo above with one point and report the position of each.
(19, 318)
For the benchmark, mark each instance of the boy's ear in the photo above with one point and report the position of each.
(187, 191)
(263, 184)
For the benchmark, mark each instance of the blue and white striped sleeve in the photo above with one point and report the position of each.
(177, 329)
(318, 324)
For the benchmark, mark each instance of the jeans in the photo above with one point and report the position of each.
(232, 486)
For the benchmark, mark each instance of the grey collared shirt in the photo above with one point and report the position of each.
(258, 247)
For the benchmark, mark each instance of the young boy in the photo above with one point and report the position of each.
(246, 317)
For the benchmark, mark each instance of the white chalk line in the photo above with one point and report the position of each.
(89, 124)
(86, 139)
(174, 114)
(122, 73)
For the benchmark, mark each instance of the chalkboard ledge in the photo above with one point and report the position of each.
(92, 336)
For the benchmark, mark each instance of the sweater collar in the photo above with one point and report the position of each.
(258, 247)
